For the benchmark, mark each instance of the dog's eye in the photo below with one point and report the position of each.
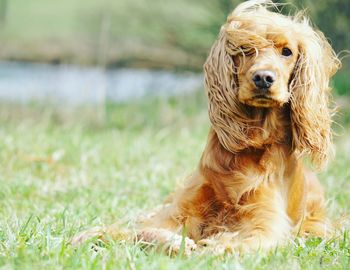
(286, 52)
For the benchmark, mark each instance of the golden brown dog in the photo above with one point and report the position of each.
(267, 80)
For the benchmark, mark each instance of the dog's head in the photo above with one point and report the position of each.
(263, 59)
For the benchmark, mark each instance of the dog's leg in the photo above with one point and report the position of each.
(80, 238)
(165, 226)
(163, 239)
(172, 243)
(262, 224)
(162, 229)
(315, 221)
(102, 233)
(157, 229)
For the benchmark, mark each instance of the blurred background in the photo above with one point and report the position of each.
(100, 51)
(102, 111)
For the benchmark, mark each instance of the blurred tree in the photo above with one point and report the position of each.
(330, 16)
(140, 33)
(3, 11)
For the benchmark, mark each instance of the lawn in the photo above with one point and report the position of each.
(60, 174)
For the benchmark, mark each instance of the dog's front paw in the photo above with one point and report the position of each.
(82, 237)
(173, 243)
(215, 247)
(175, 246)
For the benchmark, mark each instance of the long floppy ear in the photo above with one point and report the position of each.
(310, 96)
(225, 112)
(230, 119)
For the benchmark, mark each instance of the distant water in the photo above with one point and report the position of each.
(25, 82)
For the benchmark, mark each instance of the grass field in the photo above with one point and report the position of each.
(61, 175)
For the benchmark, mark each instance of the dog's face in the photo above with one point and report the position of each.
(263, 59)
(264, 73)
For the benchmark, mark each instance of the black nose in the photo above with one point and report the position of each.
(263, 79)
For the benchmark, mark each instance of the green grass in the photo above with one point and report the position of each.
(61, 174)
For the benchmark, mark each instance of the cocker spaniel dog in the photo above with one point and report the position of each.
(267, 81)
